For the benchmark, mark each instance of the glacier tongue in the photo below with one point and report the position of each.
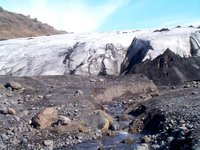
(84, 54)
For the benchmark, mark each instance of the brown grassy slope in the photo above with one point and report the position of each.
(13, 25)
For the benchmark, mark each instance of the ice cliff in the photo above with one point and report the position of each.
(92, 53)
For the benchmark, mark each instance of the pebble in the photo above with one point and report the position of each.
(64, 120)
(92, 80)
(11, 111)
(48, 144)
(194, 92)
(142, 147)
(24, 141)
(186, 86)
(101, 80)
(170, 138)
(4, 137)
(78, 93)
(17, 118)
(3, 110)
(145, 139)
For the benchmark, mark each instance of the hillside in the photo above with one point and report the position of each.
(13, 25)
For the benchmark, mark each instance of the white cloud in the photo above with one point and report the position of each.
(73, 15)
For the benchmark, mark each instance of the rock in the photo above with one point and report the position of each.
(194, 92)
(169, 139)
(136, 126)
(101, 80)
(45, 118)
(2, 87)
(135, 54)
(13, 85)
(78, 93)
(187, 86)
(4, 137)
(104, 120)
(3, 109)
(142, 147)
(114, 126)
(48, 144)
(64, 120)
(128, 140)
(92, 80)
(11, 111)
(103, 124)
(169, 68)
(123, 117)
(173, 87)
(145, 139)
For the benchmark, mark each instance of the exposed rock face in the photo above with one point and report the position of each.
(195, 44)
(45, 118)
(14, 25)
(135, 54)
(170, 68)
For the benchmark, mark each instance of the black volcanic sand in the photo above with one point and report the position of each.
(143, 116)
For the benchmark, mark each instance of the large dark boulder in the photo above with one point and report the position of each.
(195, 43)
(170, 68)
(135, 54)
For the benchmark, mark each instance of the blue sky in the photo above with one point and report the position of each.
(107, 15)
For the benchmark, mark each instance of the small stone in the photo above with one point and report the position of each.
(24, 141)
(3, 109)
(123, 117)
(78, 93)
(92, 80)
(11, 111)
(64, 120)
(182, 128)
(114, 126)
(169, 139)
(15, 141)
(173, 87)
(194, 82)
(101, 80)
(40, 96)
(186, 86)
(194, 92)
(128, 140)
(182, 121)
(142, 147)
(145, 139)
(49, 144)
(17, 118)
(4, 137)
(24, 113)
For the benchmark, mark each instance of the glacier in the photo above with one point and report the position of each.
(91, 53)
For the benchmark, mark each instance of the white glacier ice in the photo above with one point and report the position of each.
(86, 53)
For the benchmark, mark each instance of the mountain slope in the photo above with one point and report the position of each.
(13, 25)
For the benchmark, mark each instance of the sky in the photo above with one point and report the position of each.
(108, 15)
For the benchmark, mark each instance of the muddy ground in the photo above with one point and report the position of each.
(76, 112)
